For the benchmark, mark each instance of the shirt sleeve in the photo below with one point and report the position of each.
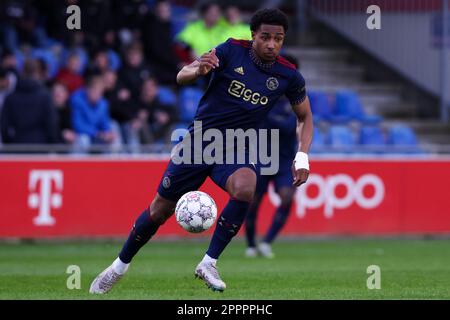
(296, 92)
(223, 54)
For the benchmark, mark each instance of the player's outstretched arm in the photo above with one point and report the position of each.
(305, 127)
(198, 68)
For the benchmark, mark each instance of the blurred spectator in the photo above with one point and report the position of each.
(135, 70)
(202, 35)
(60, 97)
(9, 63)
(130, 15)
(69, 75)
(158, 44)
(110, 40)
(131, 121)
(43, 69)
(234, 27)
(28, 115)
(90, 116)
(161, 117)
(7, 85)
(100, 62)
(56, 18)
(19, 24)
(96, 21)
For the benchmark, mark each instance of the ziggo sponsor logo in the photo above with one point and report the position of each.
(327, 196)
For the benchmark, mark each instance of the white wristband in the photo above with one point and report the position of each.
(301, 161)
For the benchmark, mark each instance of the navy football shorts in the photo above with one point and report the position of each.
(283, 178)
(181, 178)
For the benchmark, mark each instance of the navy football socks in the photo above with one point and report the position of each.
(250, 226)
(143, 229)
(279, 220)
(227, 226)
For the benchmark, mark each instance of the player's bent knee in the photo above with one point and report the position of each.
(242, 185)
(243, 190)
(243, 193)
(286, 197)
(161, 209)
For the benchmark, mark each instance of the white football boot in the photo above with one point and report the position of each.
(251, 252)
(265, 250)
(105, 281)
(207, 271)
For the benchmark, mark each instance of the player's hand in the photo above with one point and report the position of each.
(207, 61)
(300, 176)
(300, 169)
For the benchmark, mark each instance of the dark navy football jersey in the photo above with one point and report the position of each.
(243, 89)
(282, 118)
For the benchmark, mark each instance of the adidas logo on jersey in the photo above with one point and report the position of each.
(239, 70)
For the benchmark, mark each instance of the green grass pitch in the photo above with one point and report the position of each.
(323, 269)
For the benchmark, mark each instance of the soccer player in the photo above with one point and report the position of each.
(247, 79)
(282, 118)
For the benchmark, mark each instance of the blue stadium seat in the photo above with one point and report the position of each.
(178, 11)
(320, 105)
(318, 137)
(348, 106)
(402, 135)
(371, 136)
(188, 101)
(167, 96)
(318, 143)
(340, 136)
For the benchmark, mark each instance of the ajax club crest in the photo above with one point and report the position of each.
(166, 182)
(272, 83)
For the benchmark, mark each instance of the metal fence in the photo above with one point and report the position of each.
(164, 150)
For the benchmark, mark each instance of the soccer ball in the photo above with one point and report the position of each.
(196, 211)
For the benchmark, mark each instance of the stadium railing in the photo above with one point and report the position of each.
(165, 149)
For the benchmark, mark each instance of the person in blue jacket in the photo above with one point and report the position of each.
(91, 119)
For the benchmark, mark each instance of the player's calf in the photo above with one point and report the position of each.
(146, 226)
(161, 209)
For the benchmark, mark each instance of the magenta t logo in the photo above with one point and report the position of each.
(42, 196)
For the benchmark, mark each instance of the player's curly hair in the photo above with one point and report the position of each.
(269, 16)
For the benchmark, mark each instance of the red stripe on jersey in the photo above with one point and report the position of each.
(243, 43)
(286, 63)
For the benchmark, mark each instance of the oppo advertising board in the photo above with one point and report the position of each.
(100, 197)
